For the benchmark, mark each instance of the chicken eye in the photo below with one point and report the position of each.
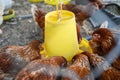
(95, 36)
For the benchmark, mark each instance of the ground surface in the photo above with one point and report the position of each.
(21, 31)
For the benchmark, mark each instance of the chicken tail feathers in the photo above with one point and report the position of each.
(38, 15)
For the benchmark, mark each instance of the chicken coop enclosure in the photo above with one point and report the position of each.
(110, 13)
(112, 1)
(22, 48)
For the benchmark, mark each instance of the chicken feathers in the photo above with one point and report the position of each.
(80, 67)
(42, 69)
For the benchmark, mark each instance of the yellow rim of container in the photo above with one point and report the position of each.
(10, 15)
(56, 22)
(35, 0)
(54, 3)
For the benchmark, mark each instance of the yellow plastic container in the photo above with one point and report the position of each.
(61, 36)
(35, 0)
(54, 2)
(10, 15)
(84, 46)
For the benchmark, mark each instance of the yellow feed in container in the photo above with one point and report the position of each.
(54, 2)
(61, 36)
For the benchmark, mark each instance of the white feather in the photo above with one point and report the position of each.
(104, 24)
(33, 8)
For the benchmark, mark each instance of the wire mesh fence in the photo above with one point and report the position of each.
(112, 1)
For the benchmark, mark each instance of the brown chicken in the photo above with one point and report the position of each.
(98, 3)
(79, 14)
(82, 13)
(14, 58)
(102, 69)
(39, 17)
(116, 63)
(79, 69)
(42, 69)
(102, 41)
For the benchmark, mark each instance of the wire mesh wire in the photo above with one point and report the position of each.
(112, 1)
